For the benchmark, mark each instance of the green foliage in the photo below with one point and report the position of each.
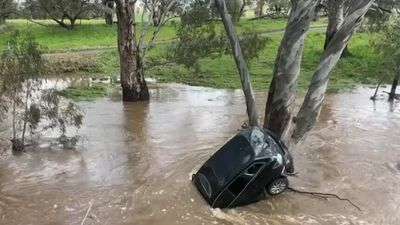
(6, 9)
(199, 38)
(235, 9)
(363, 67)
(387, 45)
(22, 96)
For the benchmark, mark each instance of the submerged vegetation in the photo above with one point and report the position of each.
(86, 93)
(31, 108)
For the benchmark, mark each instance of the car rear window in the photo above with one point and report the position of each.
(228, 162)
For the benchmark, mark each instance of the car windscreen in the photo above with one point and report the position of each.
(227, 163)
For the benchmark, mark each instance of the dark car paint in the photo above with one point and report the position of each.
(231, 186)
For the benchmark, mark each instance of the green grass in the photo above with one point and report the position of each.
(88, 35)
(363, 67)
(92, 34)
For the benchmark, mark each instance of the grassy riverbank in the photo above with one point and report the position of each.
(362, 67)
(94, 34)
(90, 50)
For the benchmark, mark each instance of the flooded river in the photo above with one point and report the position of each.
(134, 164)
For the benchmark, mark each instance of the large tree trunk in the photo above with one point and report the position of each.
(312, 104)
(392, 93)
(282, 91)
(240, 62)
(2, 20)
(335, 21)
(134, 87)
(72, 23)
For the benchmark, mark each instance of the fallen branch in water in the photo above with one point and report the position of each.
(377, 88)
(326, 196)
(87, 213)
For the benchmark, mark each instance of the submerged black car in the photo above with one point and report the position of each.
(251, 163)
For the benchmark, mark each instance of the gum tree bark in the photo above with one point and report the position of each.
(309, 111)
(134, 87)
(282, 91)
(240, 62)
(336, 13)
(335, 19)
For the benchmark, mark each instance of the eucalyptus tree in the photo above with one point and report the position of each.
(387, 45)
(337, 10)
(132, 46)
(62, 11)
(240, 62)
(279, 108)
(283, 88)
(23, 101)
(312, 104)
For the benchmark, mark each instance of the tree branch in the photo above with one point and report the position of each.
(87, 213)
(326, 196)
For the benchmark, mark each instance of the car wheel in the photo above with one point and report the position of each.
(278, 186)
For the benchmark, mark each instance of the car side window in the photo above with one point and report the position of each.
(240, 183)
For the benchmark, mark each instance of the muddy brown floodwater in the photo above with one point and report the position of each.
(136, 159)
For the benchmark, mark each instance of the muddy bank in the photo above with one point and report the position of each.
(136, 160)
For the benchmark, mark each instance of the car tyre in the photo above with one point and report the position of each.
(277, 186)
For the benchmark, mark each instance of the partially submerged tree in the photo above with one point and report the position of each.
(133, 49)
(197, 33)
(387, 45)
(280, 102)
(283, 88)
(311, 107)
(240, 62)
(23, 98)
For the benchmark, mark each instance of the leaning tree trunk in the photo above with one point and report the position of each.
(335, 21)
(309, 111)
(392, 93)
(282, 91)
(240, 62)
(134, 87)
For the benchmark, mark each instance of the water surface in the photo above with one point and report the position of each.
(136, 159)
